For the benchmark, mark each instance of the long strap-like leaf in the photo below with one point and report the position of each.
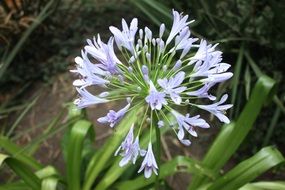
(22, 170)
(74, 153)
(231, 136)
(249, 169)
(262, 185)
(16, 152)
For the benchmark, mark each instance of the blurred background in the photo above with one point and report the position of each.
(39, 40)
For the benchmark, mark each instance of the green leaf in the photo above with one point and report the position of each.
(156, 11)
(270, 129)
(236, 77)
(259, 73)
(178, 164)
(46, 172)
(22, 170)
(249, 169)
(49, 177)
(233, 134)
(264, 185)
(19, 118)
(247, 80)
(254, 67)
(102, 157)
(74, 154)
(49, 183)
(15, 186)
(160, 8)
(16, 152)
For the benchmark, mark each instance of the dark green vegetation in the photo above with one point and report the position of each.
(40, 39)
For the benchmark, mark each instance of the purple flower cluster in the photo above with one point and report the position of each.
(161, 73)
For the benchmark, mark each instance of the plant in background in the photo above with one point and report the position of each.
(161, 73)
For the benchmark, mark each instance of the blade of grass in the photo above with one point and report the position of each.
(264, 185)
(254, 67)
(236, 77)
(233, 134)
(158, 154)
(247, 80)
(160, 8)
(31, 147)
(14, 150)
(279, 103)
(15, 186)
(249, 169)
(19, 119)
(46, 124)
(145, 10)
(259, 73)
(22, 170)
(48, 175)
(271, 127)
(74, 154)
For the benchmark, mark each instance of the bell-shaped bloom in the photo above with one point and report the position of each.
(104, 54)
(217, 109)
(203, 51)
(202, 92)
(155, 99)
(91, 73)
(149, 164)
(114, 117)
(129, 149)
(126, 37)
(87, 99)
(179, 23)
(172, 86)
(188, 123)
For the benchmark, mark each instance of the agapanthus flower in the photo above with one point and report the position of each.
(114, 117)
(130, 148)
(155, 99)
(172, 86)
(160, 74)
(149, 164)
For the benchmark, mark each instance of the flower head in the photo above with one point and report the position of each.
(159, 73)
